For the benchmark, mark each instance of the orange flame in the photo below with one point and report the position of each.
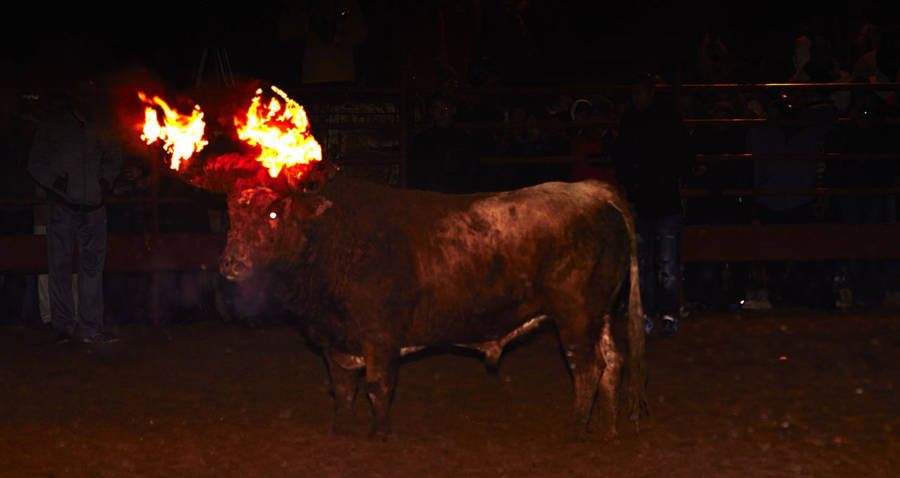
(181, 135)
(281, 129)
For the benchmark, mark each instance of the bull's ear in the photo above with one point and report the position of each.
(313, 187)
(314, 179)
(307, 207)
(331, 171)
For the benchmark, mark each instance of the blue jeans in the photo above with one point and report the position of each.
(69, 228)
(659, 259)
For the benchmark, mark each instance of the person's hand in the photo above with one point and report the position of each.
(121, 188)
(61, 183)
(131, 173)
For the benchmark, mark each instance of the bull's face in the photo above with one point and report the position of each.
(266, 227)
(256, 224)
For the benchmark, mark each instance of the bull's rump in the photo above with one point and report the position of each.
(484, 269)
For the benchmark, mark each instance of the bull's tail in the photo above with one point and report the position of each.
(637, 377)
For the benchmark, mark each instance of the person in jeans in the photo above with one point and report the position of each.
(75, 158)
(651, 155)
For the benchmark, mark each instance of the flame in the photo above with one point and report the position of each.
(281, 130)
(181, 135)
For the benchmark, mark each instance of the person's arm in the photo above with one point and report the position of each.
(686, 151)
(110, 164)
(41, 162)
(620, 151)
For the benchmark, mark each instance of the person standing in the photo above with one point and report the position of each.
(442, 158)
(75, 158)
(651, 155)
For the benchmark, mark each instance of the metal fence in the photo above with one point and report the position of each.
(394, 119)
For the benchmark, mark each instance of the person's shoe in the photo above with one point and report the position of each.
(648, 325)
(63, 338)
(101, 338)
(669, 326)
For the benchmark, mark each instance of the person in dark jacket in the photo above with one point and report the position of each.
(442, 158)
(75, 158)
(651, 155)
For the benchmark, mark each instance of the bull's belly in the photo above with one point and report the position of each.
(492, 349)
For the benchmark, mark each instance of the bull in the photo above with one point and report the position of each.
(376, 272)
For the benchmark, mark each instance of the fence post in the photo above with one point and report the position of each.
(154, 240)
(404, 127)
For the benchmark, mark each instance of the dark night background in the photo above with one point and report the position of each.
(785, 365)
(575, 41)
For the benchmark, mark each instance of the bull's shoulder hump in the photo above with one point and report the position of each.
(583, 191)
(588, 186)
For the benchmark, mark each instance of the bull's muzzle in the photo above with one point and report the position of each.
(232, 268)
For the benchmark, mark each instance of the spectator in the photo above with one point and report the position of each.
(865, 41)
(129, 292)
(509, 40)
(716, 64)
(331, 29)
(652, 153)
(881, 65)
(17, 291)
(792, 283)
(75, 157)
(766, 139)
(864, 279)
(592, 141)
(442, 158)
(518, 140)
(705, 284)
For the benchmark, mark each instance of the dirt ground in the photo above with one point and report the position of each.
(780, 393)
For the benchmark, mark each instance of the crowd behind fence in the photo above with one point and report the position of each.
(161, 229)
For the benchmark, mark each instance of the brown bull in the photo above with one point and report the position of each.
(376, 273)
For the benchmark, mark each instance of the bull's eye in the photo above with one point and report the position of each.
(273, 215)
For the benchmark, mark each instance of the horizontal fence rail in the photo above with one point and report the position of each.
(744, 242)
(156, 251)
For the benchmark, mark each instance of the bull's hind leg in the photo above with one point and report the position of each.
(606, 351)
(578, 344)
(343, 386)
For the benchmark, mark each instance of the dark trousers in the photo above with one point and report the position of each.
(866, 278)
(659, 259)
(69, 228)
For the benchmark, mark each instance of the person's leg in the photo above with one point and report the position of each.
(670, 231)
(60, 245)
(44, 297)
(91, 237)
(646, 240)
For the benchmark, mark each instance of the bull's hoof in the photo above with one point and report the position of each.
(343, 422)
(579, 432)
(611, 434)
(580, 436)
(379, 433)
(342, 429)
(379, 436)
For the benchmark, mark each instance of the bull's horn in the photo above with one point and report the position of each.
(226, 173)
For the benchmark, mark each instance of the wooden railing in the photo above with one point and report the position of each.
(155, 251)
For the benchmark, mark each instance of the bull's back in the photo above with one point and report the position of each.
(484, 268)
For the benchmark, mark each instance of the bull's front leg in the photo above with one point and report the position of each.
(343, 386)
(381, 377)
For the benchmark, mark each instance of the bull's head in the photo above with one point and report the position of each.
(266, 226)
(270, 185)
